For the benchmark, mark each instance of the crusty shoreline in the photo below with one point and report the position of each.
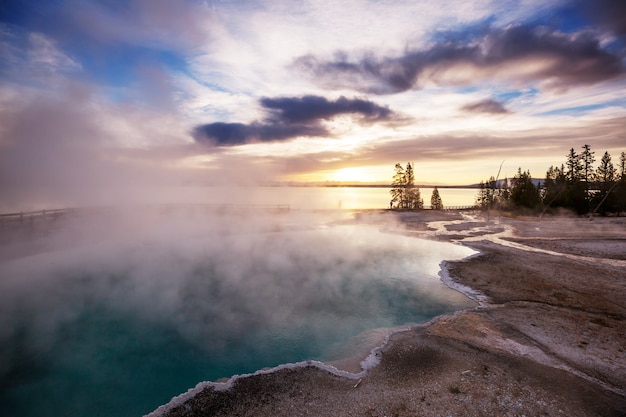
(548, 340)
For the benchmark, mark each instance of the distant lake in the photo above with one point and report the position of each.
(332, 197)
(299, 198)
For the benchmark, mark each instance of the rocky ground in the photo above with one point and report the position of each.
(548, 337)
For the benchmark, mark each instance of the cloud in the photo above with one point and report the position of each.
(106, 43)
(157, 24)
(229, 134)
(485, 106)
(44, 52)
(519, 53)
(462, 155)
(33, 57)
(312, 108)
(548, 141)
(610, 14)
(290, 117)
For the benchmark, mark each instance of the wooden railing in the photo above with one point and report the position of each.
(473, 207)
(39, 216)
(32, 216)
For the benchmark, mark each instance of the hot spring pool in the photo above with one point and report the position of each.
(119, 326)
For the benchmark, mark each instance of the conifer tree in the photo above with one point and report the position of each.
(604, 200)
(620, 189)
(555, 187)
(482, 199)
(404, 193)
(397, 192)
(435, 200)
(587, 159)
(413, 197)
(487, 193)
(576, 197)
(574, 167)
(606, 172)
(524, 193)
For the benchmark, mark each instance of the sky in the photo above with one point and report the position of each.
(99, 98)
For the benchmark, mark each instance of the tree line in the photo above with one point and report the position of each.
(406, 195)
(575, 185)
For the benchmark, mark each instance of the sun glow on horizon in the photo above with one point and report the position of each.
(355, 174)
(427, 173)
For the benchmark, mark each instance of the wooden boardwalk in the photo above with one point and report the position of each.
(25, 218)
(30, 217)
(38, 217)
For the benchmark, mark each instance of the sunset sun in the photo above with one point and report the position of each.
(365, 174)
(352, 174)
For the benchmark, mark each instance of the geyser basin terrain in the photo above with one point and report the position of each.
(134, 313)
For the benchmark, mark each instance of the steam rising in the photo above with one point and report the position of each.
(162, 302)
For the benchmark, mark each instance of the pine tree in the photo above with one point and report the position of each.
(397, 192)
(486, 193)
(620, 189)
(404, 194)
(574, 166)
(576, 196)
(413, 195)
(524, 193)
(606, 172)
(605, 176)
(435, 200)
(555, 187)
(587, 159)
(482, 199)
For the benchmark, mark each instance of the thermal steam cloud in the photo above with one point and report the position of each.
(212, 279)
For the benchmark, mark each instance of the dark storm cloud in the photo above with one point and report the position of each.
(290, 117)
(610, 14)
(485, 106)
(519, 53)
(229, 134)
(312, 108)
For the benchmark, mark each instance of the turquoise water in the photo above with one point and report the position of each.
(119, 327)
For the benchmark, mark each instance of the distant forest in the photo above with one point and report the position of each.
(576, 185)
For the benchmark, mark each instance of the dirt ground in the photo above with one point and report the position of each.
(547, 338)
